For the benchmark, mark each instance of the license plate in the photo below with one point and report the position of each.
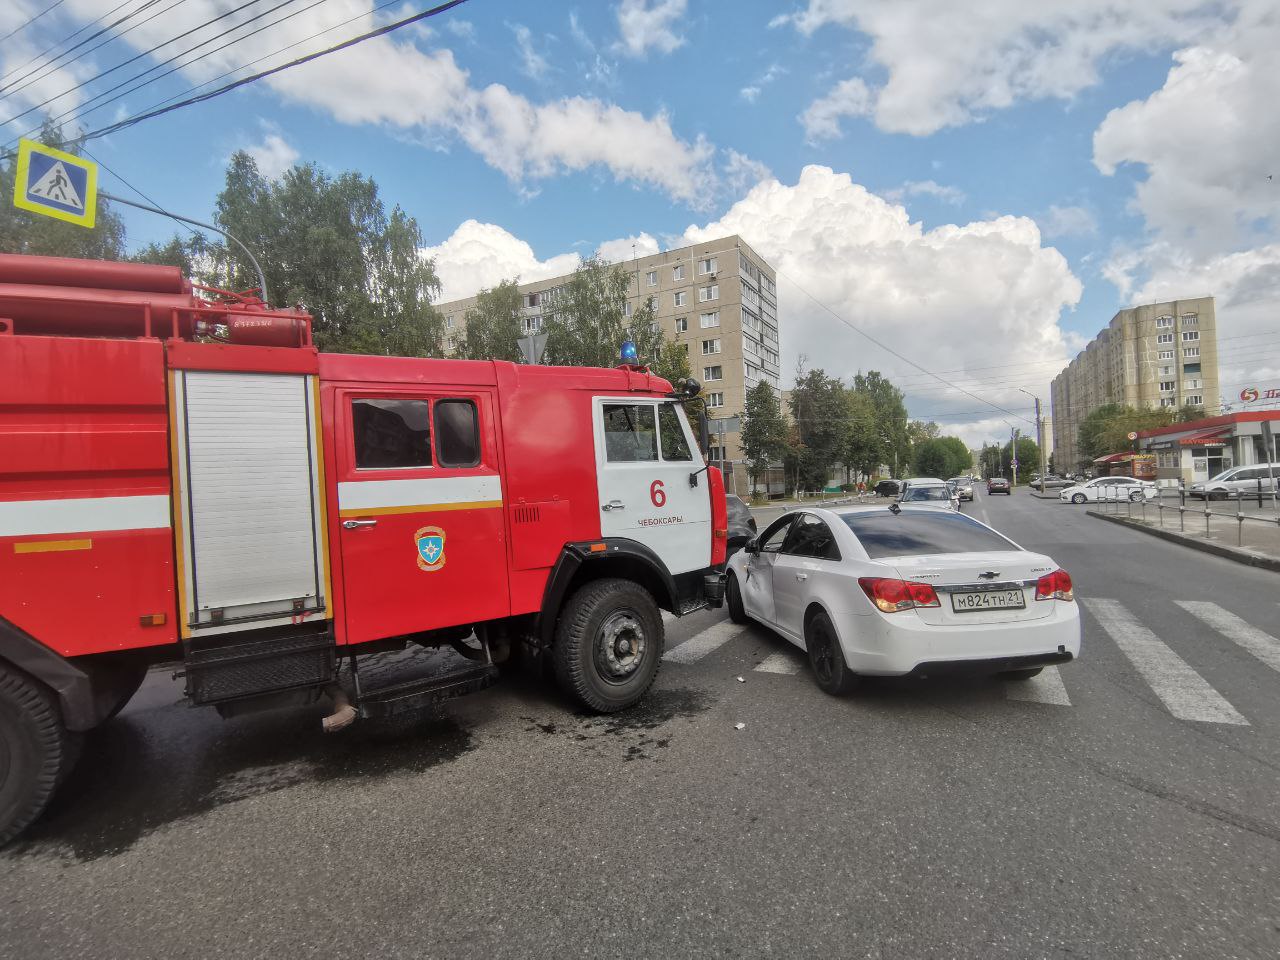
(971, 601)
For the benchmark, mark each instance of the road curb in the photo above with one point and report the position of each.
(1238, 554)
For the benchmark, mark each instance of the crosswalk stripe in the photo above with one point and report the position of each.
(786, 663)
(1261, 644)
(1187, 694)
(701, 644)
(1046, 688)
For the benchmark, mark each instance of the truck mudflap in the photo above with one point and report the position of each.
(713, 588)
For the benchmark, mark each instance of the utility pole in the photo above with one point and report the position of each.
(1013, 453)
(1039, 435)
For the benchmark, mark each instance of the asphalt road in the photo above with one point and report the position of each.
(1082, 814)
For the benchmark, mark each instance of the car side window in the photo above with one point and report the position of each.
(810, 537)
(630, 432)
(771, 540)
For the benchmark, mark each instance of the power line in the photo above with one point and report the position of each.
(18, 29)
(89, 39)
(227, 88)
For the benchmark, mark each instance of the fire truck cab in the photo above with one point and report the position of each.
(185, 478)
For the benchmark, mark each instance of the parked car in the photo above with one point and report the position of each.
(1236, 482)
(964, 487)
(998, 485)
(888, 488)
(929, 492)
(742, 525)
(1109, 488)
(868, 590)
(1052, 481)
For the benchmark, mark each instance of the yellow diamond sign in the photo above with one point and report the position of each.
(56, 184)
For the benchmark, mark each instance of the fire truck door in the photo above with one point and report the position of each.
(644, 456)
(421, 524)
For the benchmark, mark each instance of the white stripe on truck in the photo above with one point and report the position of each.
(27, 518)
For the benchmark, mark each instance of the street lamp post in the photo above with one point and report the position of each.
(1039, 434)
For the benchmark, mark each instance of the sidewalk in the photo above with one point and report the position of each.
(1238, 531)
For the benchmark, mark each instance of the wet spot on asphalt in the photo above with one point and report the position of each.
(630, 730)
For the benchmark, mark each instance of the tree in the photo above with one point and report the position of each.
(1106, 430)
(588, 320)
(818, 409)
(493, 325)
(1028, 455)
(893, 443)
(940, 457)
(329, 244)
(176, 252)
(860, 442)
(32, 233)
(764, 431)
(1188, 413)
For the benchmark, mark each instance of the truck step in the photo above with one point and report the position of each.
(250, 664)
(427, 691)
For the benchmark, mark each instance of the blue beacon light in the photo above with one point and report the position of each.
(629, 354)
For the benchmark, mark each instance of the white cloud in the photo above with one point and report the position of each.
(625, 248)
(391, 81)
(741, 172)
(927, 188)
(645, 24)
(849, 98)
(1207, 140)
(951, 298)
(479, 255)
(532, 63)
(749, 94)
(1068, 222)
(462, 29)
(273, 155)
(31, 85)
(947, 63)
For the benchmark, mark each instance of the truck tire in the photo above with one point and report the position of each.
(608, 644)
(34, 750)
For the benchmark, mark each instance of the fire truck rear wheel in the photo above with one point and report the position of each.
(33, 751)
(608, 644)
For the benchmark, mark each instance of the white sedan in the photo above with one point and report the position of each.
(904, 590)
(1109, 488)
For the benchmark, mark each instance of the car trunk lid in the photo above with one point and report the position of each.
(967, 583)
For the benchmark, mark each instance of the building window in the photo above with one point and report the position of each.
(1190, 352)
(1190, 320)
(1167, 385)
(1166, 354)
(653, 304)
(1196, 400)
(711, 319)
(677, 272)
(682, 324)
(715, 400)
(1190, 335)
(531, 324)
(745, 265)
(448, 323)
(651, 278)
(1195, 383)
(680, 297)
(531, 300)
(707, 266)
(1168, 402)
(626, 309)
(709, 292)
(710, 346)
(715, 453)
(1164, 321)
(712, 373)
(655, 327)
(453, 342)
(1193, 369)
(1164, 338)
(1166, 371)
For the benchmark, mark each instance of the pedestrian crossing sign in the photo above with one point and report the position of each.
(56, 184)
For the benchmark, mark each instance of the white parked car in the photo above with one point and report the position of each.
(904, 590)
(930, 492)
(1109, 488)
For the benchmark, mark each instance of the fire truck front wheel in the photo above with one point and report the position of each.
(34, 749)
(608, 644)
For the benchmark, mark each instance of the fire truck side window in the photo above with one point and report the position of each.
(630, 432)
(457, 433)
(671, 433)
(391, 433)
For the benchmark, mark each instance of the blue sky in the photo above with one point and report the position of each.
(982, 186)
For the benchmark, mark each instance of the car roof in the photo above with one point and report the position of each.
(927, 482)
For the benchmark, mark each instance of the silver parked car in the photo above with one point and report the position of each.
(1236, 482)
(963, 487)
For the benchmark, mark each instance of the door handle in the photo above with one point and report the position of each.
(802, 576)
(357, 524)
(613, 505)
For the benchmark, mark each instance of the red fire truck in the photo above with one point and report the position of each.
(185, 478)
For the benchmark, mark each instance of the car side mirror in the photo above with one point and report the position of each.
(752, 546)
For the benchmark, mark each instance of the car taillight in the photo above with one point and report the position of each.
(892, 595)
(1055, 586)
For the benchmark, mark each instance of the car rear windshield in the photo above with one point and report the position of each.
(927, 493)
(883, 533)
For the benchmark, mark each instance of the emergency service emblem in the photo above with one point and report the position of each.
(430, 541)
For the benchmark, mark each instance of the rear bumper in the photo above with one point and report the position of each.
(996, 665)
(902, 643)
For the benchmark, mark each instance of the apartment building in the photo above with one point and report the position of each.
(718, 299)
(1155, 355)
